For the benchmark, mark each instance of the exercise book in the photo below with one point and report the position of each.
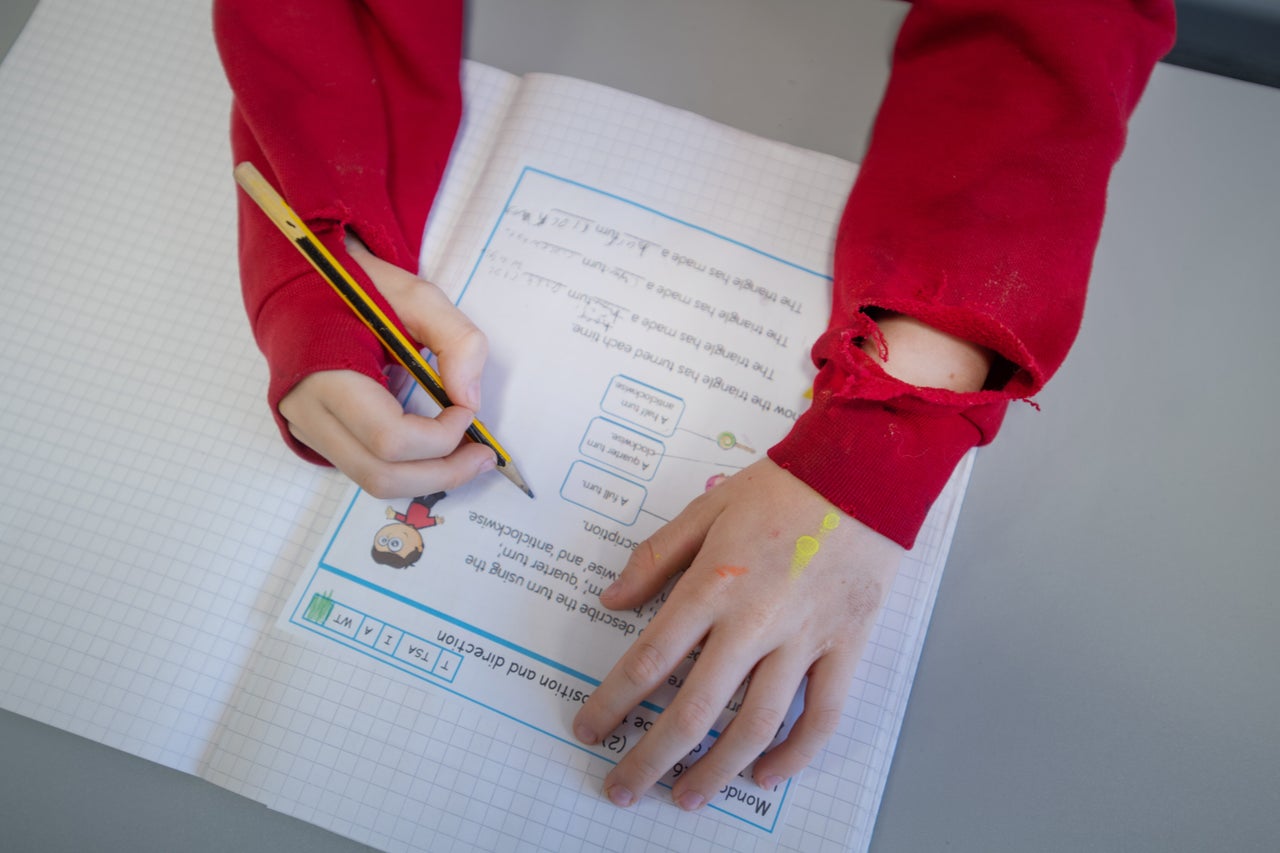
(176, 584)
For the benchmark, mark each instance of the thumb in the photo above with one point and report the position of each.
(429, 317)
(669, 550)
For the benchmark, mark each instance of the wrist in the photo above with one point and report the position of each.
(918, 354)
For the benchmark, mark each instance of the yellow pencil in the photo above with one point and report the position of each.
(292, 226)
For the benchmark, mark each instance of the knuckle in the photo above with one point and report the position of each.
(711, 772)
(701, 595)
(466, 338)
(692, 716)
(475, 340)
(824, 720)
(641, 767)
(757, 726)
(290, 409)
(386, 442)
(645, 665)
(645, 557)
(806, 742)
(452, 476)
(803, 752)
(295, 429)
(377, 482)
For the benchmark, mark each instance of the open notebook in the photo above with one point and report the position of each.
(173, 583)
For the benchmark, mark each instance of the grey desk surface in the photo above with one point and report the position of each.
(1101, 671)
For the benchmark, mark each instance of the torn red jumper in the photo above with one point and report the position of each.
(976, 209)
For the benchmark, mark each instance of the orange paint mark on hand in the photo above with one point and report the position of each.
(731, 571)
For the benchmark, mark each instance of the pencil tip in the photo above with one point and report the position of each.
(511, 473)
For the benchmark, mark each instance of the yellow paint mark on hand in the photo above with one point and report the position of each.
(807, 546)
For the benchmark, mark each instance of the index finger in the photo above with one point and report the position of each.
(646, 664)
(685, 722)
(431, 317)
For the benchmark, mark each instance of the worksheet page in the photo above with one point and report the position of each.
(650, 283)
(636, 361)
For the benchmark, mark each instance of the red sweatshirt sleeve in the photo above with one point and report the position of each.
(350, 110)
(976, 210)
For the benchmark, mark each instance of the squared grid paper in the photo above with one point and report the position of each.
(777, 198)
(151, 526)
(320, 732)
(146, 502)
(488, 96)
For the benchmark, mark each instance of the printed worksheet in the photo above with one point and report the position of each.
(636, 360)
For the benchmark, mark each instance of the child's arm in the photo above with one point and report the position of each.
(976, 211)
(350, 109)
(779, 584)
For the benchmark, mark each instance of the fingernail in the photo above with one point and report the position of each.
(619, 796)
(612, 588)
(691, 801)
(584, 733)
(473, 396)
(770, 782)
(488, 463)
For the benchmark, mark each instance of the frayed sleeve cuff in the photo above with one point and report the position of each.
(882, 450)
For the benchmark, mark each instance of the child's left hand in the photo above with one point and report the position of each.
(762, 602)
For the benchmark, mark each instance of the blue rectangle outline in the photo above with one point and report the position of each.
(365, 617)
(565, 482)
(368, 618)
(434, 664)
(674, 427)
(628, 429)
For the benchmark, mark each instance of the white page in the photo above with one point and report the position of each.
(190, 521)
(340, 737)
(489, 93)
(780, 199)
(636, 358)
(149, 522)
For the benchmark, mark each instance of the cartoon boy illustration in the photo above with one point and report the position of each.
(399, 544)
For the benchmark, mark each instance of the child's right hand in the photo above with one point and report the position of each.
(358, 425)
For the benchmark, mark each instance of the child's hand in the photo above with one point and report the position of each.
(761, 600)
(358, 425)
